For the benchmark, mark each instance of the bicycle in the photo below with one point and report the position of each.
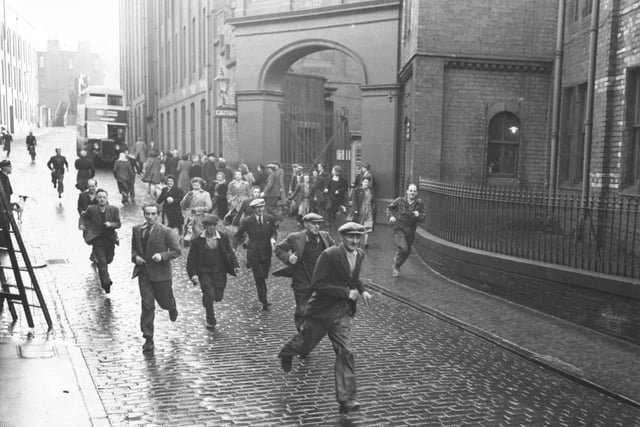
(32, 152)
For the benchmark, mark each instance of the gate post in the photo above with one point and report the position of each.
(379, 121)
(259, 126)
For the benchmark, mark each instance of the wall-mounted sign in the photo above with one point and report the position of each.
(226, 112)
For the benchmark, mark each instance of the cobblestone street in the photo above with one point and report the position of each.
(412, 369)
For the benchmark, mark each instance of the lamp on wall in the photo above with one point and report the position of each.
(223, 85)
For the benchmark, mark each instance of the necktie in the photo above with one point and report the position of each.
(145, 238)
(260, 220)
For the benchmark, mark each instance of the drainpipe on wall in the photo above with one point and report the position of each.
(588, 122)
(556, 102)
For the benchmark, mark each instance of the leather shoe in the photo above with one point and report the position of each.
(107, 288)
(349, 406)
(394, 271)
(265, 306)
(173, 314)
(286, 362)
(148, 346)
(210, 326)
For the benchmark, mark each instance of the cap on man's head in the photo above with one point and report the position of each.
(352, 228)
(272, 166)
(337, 168)
(210, 219)
(257, 203)
(312, 217)
(5, 163)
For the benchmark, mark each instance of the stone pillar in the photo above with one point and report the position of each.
(379, 130)
(259, 126)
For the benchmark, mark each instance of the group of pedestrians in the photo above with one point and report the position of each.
(325, 275)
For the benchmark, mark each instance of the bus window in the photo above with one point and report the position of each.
(114, 100)
(97, 99)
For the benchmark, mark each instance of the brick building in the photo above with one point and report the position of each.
(476, 85)
(59, 71)
(478, 108)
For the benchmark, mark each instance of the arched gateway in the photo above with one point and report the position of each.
(267, 45)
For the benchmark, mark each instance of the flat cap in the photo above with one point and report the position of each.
(257, 203)
(272, 165)
(312, 217)
(337, 168)
(5, 163)
(210, 219)
(352, 228)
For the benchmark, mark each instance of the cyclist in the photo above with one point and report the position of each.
(31, 146)
(57, 165)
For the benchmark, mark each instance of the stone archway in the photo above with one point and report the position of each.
(267, 45)
(275, 67)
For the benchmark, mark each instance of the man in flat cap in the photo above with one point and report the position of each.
(5, 182)
(335, 287)
(300, 251)
(209, 261)
(153, 246)
(262, 231)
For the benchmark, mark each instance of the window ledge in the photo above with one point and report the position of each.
(502, 181)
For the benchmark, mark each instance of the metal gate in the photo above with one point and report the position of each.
(308, 138)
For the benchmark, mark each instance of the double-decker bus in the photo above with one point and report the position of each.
(102, 123)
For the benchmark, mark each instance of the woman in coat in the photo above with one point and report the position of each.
(218, 192)
(364, 208)
(125, 177)
(302, 195)
(170, 199)
(196, 203)
(153, 171)
(184, 182)
(86, 170)
(238, 191)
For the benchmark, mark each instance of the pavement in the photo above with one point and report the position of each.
(429, 351)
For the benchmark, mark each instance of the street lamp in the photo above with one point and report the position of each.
(223, 85)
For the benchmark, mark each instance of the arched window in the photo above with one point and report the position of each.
(502, 149)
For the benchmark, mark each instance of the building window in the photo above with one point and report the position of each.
(581, 8)
(192, 47)
(168, 130)
(161, 135)
(502, 147)
(203, 125)
(175, 130)
(633, 125)
(183, 143)
(192, 119)
(572, 135)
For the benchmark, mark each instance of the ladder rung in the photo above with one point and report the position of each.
(9, 295)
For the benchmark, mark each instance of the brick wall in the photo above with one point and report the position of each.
(472, 97)
(494, 27)
(512, 45)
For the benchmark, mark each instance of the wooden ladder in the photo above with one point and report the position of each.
(10, 237)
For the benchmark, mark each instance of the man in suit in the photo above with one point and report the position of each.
(262, 231)
(153, 246)
(209, 261)
(336, 190)
(404, 215)
(300, 251)
(336, 287)
(98, 224)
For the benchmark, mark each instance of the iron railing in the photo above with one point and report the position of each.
(601, 236)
